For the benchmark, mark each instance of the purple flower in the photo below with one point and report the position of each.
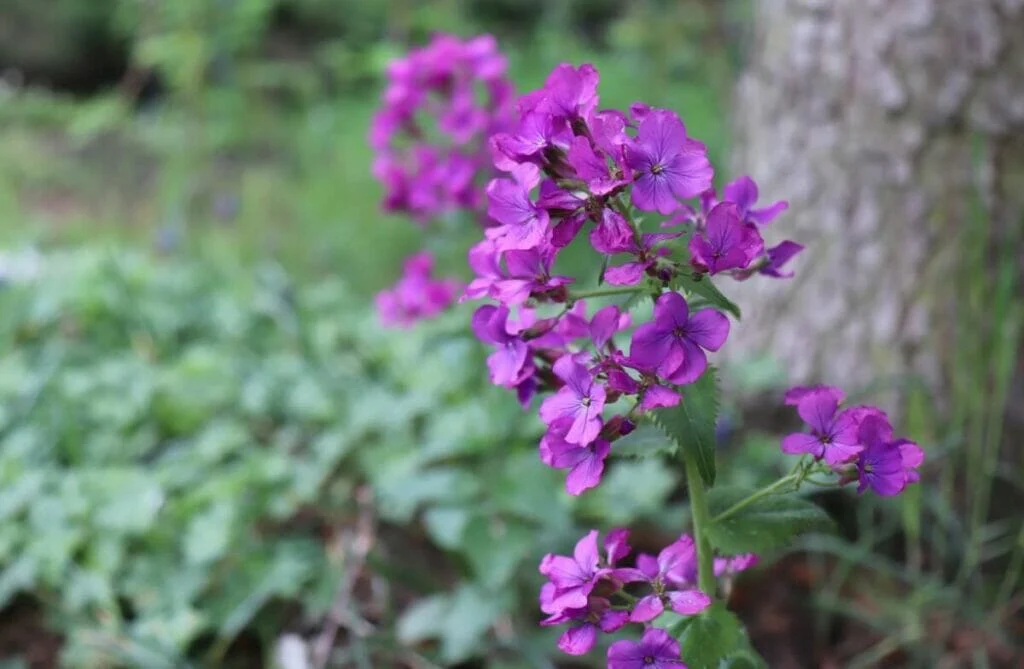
(585, 463)
(522, 225)
(666, 574)
(572, 578)
(886, 465)
(569, 92)
(612, 234)
(647, 256)
(778, 256)
(510, 364)
(668, 165)
(416, 295)
(529, 275)
(725, 242)
(485, 261)
(655, 650)
(591, 168)
(833, 435)
(743, 192)
(673, 345)
(605, 323)
(795, 394)
(585, 623)
(581, 399)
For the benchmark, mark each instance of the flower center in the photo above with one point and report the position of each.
(585, 401)
(648, 659)
(657, 169)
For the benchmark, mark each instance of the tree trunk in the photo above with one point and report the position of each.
(892, 127)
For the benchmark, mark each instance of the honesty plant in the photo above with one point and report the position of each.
(577, 174)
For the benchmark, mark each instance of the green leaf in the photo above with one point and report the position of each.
(691, 423)
(496, 549)
(705, 289)
(710, 637)
(643, 442)
(765, 525)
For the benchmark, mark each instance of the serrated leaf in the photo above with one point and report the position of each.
(710, 637)
(765, 525)
(708, 291)
(643, 442)
(691, 423)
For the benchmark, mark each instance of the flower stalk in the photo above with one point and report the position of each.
(701, 519)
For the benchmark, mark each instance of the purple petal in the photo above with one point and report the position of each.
(563, 404)
(817, 408)
(507, 363)
(616, 545)
(695, 362)
(742, 191)
(647, 609)
(797, 393)
(708, 329)
(578, 640)
(799, 443)
(657, 396)
(671, 311)
(613, 621)
(586, 553)
(653, 347)
(688, 602)
(766, 215)
(587, 473)
(604, 324)
(629, 274)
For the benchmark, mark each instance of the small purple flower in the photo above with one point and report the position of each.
(585, 623)
(743, 192)
(612, 234)
(886, 465)
(580, 399)
(668, 165)
(522, 225)
(666, 574)
(529, 275)
(416, 296)
(778, 256)
(569, 92)
(673, 345)
(647, 256)
(585, 463)
(510, 365)
(833, 435)
(572, 578)
(725, 242)
(655, 650)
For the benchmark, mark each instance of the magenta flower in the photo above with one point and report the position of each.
(655, 650)
(646, 257)
(572, 578)
(581, 399)
(666, 574)
(569, 92)
(668, 165)
(585, 463)
(529, 275)
(778, 256)
(510, 365)
(833, 435)
(522, 225)
(673, 345)
(743, 192)
(612, 234)
(725, 242)
(886, 465)
(416, 296)
(585, 623)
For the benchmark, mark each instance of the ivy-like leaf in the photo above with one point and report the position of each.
(643, 442)
(765, 525)
(709, 638)
(691, 423)
(704, 288)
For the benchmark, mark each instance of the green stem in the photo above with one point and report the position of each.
(763, 492)
(701, 518)
(602, 292)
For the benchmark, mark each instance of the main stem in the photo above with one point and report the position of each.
(701, 519)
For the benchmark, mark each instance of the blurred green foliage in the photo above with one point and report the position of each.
(181, 445)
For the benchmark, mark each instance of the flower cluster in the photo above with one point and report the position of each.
(571, 166)
(429, 137)
(416, 295)
(856, 442)
(593, 592)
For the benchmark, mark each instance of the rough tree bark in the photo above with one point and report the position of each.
(886, 124)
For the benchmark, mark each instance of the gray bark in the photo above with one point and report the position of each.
(887, 124)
